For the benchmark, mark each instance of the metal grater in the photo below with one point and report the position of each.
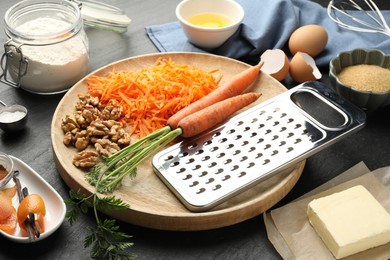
(270, 137)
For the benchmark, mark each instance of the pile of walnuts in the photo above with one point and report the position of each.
(94, 131)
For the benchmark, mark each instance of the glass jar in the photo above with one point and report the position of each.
(47, 48)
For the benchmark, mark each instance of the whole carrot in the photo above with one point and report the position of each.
(210, 116)
(237, 85)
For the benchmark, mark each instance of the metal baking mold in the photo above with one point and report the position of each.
(254, 145)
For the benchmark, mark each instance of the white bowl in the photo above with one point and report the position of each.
(206, 37)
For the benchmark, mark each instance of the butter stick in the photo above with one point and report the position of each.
(350, 221)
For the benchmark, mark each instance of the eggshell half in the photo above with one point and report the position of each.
(275, 63)
(311, 39)
(303, 68)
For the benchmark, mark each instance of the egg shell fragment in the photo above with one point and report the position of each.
(303, 68)
(276, 64)
(310, 39)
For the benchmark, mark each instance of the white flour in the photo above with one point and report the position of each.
(51, 68)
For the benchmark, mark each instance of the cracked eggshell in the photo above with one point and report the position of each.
(303, 68)
(276, 63)
(311, 39)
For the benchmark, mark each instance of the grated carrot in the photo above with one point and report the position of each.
(151, 95)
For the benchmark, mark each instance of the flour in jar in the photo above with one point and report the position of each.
(51, 67)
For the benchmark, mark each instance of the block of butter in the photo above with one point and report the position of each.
(350, 221)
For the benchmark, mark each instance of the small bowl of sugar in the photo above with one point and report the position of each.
(12, 118)
(363, 77)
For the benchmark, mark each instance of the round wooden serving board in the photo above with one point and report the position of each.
(151, 203)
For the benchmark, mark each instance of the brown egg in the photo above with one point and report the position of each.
(275, 63)
(310, 39)
(303, 68)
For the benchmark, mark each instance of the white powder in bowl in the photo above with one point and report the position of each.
(55, 67)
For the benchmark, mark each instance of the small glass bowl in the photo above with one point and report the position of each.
(369, 101)
(8, 164)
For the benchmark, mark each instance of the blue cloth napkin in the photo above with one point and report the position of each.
(268, 24)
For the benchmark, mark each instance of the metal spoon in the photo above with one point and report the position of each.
(12, 118)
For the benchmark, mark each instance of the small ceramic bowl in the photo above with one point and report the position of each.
(8, 164)
(369, 101)
(204, 35)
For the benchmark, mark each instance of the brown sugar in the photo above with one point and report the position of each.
(366, 77)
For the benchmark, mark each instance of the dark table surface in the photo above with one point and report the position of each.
(247, 240)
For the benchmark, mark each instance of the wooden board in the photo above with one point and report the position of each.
(152, 203)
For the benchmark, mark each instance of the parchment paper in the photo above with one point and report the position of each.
(290, 232)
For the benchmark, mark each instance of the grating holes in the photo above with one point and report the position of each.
(208, 142)
(239, 123)
(290, 120)
(187, 177)
(174, 164)
(193, 184)
(254, 120)
(267, 146)
(169, 157)
(191, 160)
(223, 140)
(290, 149)
(251, 164)
(298, 140)
(181, 170)
(192, 146)
(269, 118)
(212, 164)
(266, 161)
(231, 131)
(196, 167)
(282, 143)
(184, 154)
(238, 137)
(200, 151)
(206, 158)
(297, 126)
(275, 152)
(290, 135)
(259, 155)
(244, 158)
(226, 177)
(276, 123)
(305, 131)
(220, 155)
(202, 174)
(218, 171)
(216, 134)
(275, 137)
(236, 152)
(253, 134)
(229, 146)
(268, 131)
(201, 190)
(245, 143)
(262, 112)
(235, 167)
(282, 129)
(252, 149)
(227, 161)
(241, 174)
(261, 126)
(210, 180)
(283, 115)
(247, 129)
(217, 187)
(260, 140)
(213, 149)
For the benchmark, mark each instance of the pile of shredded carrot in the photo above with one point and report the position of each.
(153, 94)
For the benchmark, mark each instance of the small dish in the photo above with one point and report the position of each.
(209, 37)
(55, 206)
(367, 100)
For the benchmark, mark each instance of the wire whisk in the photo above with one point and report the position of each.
(370, 18)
